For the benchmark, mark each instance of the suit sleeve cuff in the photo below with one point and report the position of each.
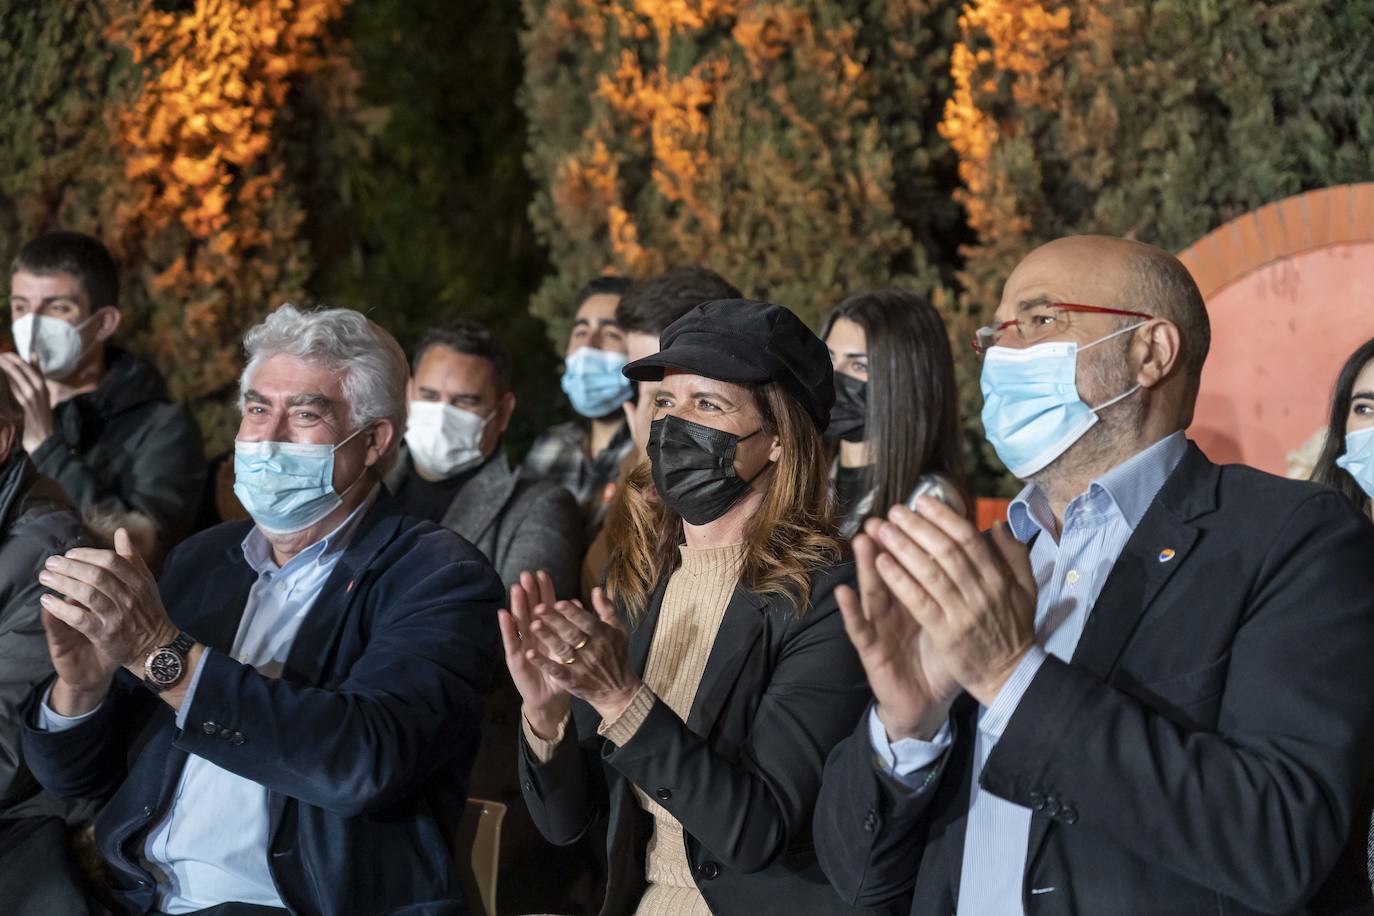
(995, 718)
(49, 721)
(620, 731)
(544, 748)
(184, 709)
(910, 761)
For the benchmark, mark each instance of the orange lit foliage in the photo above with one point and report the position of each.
(210, 217)
(756, 138)
(162, 133)
(1157, 120)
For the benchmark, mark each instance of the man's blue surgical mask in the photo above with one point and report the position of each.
(1031, 409)
(287, 486)
(593, 382)
(1358, 460)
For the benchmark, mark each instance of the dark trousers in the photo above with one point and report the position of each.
(38, 876)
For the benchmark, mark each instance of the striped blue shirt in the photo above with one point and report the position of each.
(1070, 571)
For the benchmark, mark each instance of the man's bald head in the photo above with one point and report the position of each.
(1136, 277)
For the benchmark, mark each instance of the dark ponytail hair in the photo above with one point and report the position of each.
(912, 427)
(1325, 471)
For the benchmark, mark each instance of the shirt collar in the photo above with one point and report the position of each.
(1131, 486)
(257, 549)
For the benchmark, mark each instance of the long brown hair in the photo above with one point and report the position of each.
(912, 428)
(1325, 471)
(788, 539)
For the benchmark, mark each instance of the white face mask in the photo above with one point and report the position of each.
(57, 342)
(444, 439)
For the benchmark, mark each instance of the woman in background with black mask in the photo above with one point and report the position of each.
(896, 417)
(694, 705)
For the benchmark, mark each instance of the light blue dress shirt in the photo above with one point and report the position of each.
(211, 847)
(1069, 574)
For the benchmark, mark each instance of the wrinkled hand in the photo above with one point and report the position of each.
(586, 654)
(111, 599)
(976, 601)
(545, 702)
(31, 391)
(912, 686)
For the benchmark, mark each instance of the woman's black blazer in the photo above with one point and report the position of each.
(741, 774)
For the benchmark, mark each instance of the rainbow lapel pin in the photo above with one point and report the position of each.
(1166, 554)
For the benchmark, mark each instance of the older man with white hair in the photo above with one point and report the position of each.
(286, 720)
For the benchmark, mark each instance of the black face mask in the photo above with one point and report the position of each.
(850, 411)
(694, 468)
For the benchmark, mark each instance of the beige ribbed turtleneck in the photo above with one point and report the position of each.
(688, 621)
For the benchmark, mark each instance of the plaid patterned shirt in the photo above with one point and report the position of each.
(560, 455)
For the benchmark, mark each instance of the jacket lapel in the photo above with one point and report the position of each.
(740, 629)
(226, 587)
(642, 636)
(319, 632)
(1158, 547)
(481, 499)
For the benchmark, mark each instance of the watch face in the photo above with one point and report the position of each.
(164, 667)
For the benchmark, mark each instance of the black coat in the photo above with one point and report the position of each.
(1208, 749)
(741, 775)
(364, 743)
(125, 448)
(35, 523)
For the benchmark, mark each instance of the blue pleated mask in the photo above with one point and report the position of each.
(287, 486)
(1358, 460)
(592, 380)
(1032, 413)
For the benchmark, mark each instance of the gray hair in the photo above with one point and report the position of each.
(372, 362)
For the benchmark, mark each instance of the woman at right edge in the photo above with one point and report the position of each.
(695, 704)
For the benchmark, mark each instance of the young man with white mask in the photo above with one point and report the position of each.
(453, 468)
(285, 721)
(1148, 691)
(584, 454)
(97, 418)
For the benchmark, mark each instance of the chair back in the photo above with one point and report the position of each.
(478, 847)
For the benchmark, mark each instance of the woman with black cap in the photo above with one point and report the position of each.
(695, 704)
(895, 423)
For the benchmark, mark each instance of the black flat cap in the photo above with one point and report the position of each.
(746, 341)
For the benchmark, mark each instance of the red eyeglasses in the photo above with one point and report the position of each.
(1040, 322)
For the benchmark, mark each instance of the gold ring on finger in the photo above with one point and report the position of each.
(568, 661)
(580, 644)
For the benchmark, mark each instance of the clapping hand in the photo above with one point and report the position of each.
(31, 391)
(109, 616)
(545, 702)
(973, 596)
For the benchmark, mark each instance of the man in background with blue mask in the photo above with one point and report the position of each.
(1144, 693)
(286, 720)
(584, 454)
(97, 418)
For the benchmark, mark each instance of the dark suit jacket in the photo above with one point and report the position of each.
(364, 743)
(741, 774)
(1206, 750)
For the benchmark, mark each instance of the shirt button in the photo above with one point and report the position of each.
(147, 810)
(1072, 577)
(664, 794)
(281, 586)
(709, 870)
